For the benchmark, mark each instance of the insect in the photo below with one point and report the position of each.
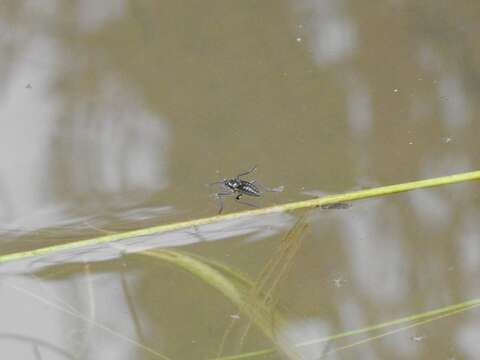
(238, 187)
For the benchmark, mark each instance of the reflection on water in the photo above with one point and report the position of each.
(331, 33)
(102, 146)
(116, 114)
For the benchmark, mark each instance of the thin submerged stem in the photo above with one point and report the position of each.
(403, 323)
(260, 297)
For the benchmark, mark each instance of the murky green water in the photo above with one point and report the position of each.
(116, 114)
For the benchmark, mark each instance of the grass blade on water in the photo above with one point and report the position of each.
(306, 204)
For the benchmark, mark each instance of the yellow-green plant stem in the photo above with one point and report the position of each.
(414, 320)
(312, 203)
(395, 331)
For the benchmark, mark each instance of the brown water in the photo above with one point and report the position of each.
(115, 114)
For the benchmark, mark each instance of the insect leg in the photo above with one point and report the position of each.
(220, 197)
(244, 202)
(216, 183)
(247, 172)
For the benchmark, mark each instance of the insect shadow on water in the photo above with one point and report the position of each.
(238, 187)
(336, 206)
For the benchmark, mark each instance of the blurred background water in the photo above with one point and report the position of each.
(116, 113)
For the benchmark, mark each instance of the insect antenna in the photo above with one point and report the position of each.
(216, 183)
(247, 172)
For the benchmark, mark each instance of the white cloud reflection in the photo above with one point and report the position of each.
(468, 338)
(124, 143)
(117, 144)
(28, 119)
(377, 258)
(305, 333)
(332, 33)
(469, 249)
(359, 106)
(55, 317)
(455, 104)
(431, 209)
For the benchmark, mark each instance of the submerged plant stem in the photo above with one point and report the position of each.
(306, 204)
(230, 283)
(414, 320)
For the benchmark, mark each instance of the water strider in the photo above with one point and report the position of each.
(238, 187)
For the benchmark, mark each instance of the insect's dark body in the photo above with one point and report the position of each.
(242, 187)
(238, 187)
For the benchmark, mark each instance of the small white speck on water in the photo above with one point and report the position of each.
(447, 139)
(410, 143)
(300, 26)
(395, 90)
(339, 281)
(299, 39)
(235, 316)
(418, 338)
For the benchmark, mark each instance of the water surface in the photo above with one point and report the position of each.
(116, 114)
